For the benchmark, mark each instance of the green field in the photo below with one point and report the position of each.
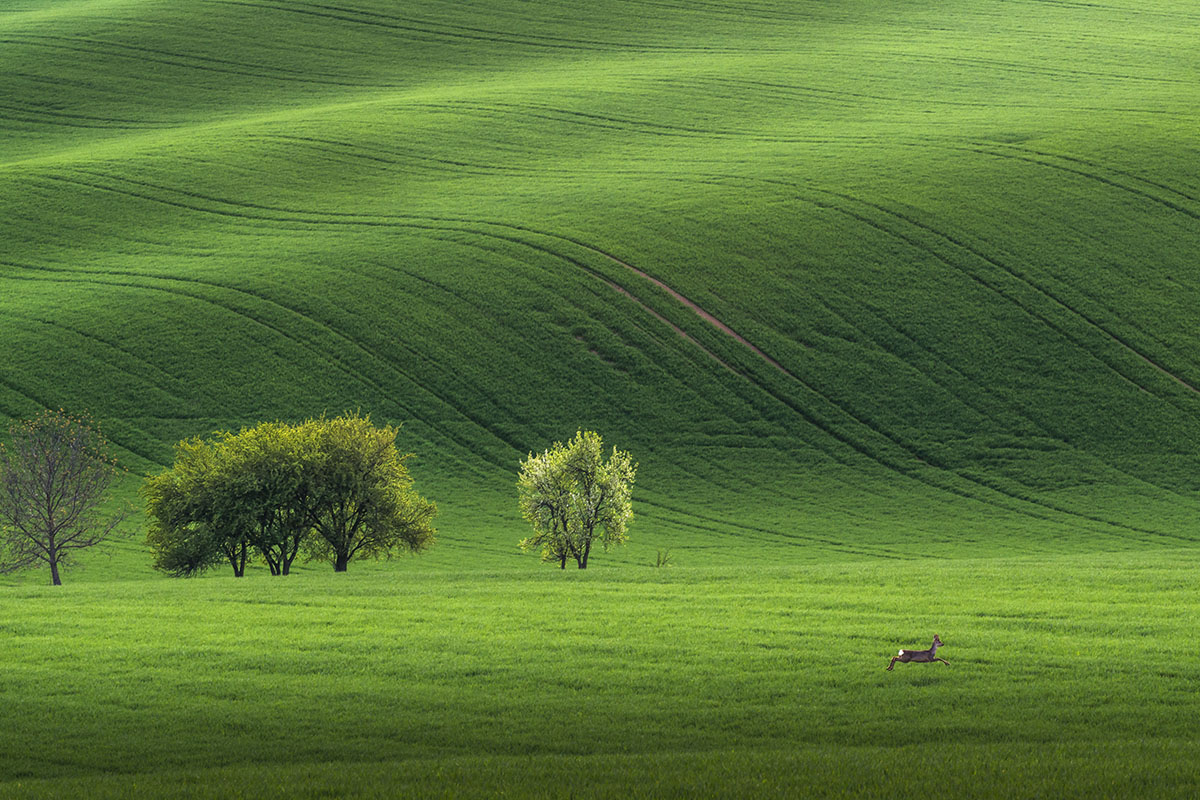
(1072, 677)
(897, 305)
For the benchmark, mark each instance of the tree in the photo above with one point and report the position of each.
(182, 533)
(262, 494)
(572, 497)
(332, 488)
(54, 476)
(360, 494)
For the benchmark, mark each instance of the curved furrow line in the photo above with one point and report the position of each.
(479, 390)
(41, 404)
(991, 286)
(599, 122)
(830, 429)
(76, 277)
(815, 423)
(63, 275)
(615, 287)
(1034, 501)
(947, 237)
(508, 110)
(983, 149)
(492, 34)
(409, 223)
(853, 99)
(806, 187)
(173, 393)
(79, 120)
(255, 69)
(202, 67)
(725, 528)
(1097, 165)
(305, 344)
(910, 450)
(1028, 69)
(1053, 434)
(1089, 321)
(239, 215)
(631, 123)
(429, 34)
(379, 155)
(860, 447)
(678, 330)
(990, 394)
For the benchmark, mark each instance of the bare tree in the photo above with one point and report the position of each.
(54, 475)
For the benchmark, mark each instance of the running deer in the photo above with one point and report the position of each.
(920, 656)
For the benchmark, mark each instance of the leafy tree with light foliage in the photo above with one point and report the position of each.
(55, 473)
(573, 498)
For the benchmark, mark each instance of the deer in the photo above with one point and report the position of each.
(920, 656)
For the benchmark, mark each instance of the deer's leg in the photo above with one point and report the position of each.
(944, 661)
(894, 660)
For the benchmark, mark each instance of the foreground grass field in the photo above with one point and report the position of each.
(1072, 676)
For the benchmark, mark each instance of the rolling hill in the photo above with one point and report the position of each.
(853, 279)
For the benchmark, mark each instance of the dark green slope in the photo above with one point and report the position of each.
(859, 278)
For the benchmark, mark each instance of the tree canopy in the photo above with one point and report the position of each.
(334, 489)
(573, 497)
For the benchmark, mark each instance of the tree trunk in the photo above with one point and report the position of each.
(340, 562)
(237, 559)
(587, 550)
(57, 581)
(562, 562)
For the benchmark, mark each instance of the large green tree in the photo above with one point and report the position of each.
(573, 498)
(360, 497)
(333, 488)
(55, 474)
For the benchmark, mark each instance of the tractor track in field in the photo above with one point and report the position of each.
(889, 232)
(33, 114)
(863, 450)
(854, 100)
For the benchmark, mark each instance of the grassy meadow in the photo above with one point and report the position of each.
(897, 305)
(1069, 677)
